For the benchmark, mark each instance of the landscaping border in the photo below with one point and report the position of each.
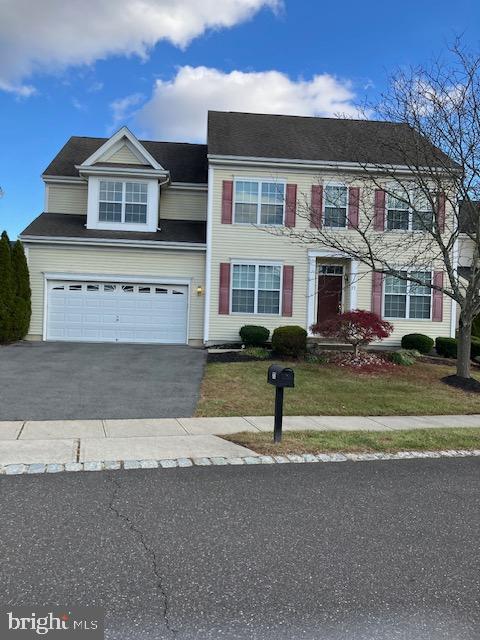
(171, 463)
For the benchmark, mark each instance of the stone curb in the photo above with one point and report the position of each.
(112, 465)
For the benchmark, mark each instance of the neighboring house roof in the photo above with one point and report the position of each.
(467, 217)
(186, 162)
(318, 139)
(62, 225)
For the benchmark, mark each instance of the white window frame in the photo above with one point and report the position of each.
(259, 181)
(408, 295)
(324, 204)
(93, 221)
(242, 263)
(409, 212)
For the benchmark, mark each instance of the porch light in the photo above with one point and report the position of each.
(199, 290)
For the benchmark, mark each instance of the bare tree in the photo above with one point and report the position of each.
(434, 166)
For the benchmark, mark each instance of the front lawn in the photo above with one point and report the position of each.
(360, 441)
(241, 389)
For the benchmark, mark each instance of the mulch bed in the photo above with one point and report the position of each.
(231, 356)
(466, 384)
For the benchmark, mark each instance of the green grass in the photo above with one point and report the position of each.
(241, 389)
(360, 441)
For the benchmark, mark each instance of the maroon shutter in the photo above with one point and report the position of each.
(441, 212)
(437, 303)
(290, 205)
(316, 207)
(224, 294)
(379, 221)
(287, 291)
(377, 285)
(353, 207)
(227, 200)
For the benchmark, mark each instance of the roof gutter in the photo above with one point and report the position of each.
(116, 242)
(298, 163)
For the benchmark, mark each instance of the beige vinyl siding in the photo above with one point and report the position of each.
(106, 261)
(124, 155)
(67, 198)
(231, 242)
(183, 204)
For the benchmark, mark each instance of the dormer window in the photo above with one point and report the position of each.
(124, 202)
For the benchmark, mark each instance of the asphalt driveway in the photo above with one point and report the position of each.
(73, 381)
(351, 551)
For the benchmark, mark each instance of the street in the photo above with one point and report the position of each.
(359, 551)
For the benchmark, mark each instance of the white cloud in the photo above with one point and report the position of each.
(54, 34)
(178, 108)
(123, 109)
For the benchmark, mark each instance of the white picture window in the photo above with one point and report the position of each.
(256, 288)
(409, 211)
(259, 202)
(405, 299)
(335, 209)
(123, 202)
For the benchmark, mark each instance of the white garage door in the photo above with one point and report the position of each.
(117, 312)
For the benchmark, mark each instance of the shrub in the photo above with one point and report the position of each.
(418, 341)
(259, 353)
(22, 303)
(403, 357)
(356, 327)
(314, 358)
(253, 335)
(446, 347)
(289, 341)
(7, 292)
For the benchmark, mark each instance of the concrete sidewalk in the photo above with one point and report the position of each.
(73, 441)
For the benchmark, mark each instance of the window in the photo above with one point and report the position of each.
(93, 287)
(123, 202)
(256, 288)
(336, 201)
(330, 270)
(409, 212)
(258, 202)
(407, 299)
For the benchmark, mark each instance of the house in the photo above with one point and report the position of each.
(163, 242)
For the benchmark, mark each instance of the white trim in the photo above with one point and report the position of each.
(66, 179)
(408, 296)
(144, 244)
(256, 264)
(259, 181)
(109, 277)
(93, 221)
(313, 164)
(121, 171)
(124, 132)
(453, 307)
(208, 264)
(353, 284)
(46, 198)
(324, 203)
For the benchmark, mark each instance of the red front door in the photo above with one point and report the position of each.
(329, 297)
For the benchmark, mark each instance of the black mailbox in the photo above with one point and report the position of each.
(280, 376)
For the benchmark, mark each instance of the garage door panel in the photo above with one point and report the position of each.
(117, 312)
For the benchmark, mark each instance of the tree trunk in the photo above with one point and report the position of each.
(355, 349)
(463, 348)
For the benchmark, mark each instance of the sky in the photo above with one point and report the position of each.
(88, 67)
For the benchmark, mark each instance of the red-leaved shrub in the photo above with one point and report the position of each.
(358, 328)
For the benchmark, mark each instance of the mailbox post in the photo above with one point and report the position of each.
(280, 377)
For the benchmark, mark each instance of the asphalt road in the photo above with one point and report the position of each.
(382, 550)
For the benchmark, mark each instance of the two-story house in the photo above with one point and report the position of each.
(162, 242)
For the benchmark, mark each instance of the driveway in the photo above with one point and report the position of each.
(354, 551)
(73, 381)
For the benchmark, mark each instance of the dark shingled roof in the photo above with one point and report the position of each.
(317, 139)
(186, 162)
(63, 225)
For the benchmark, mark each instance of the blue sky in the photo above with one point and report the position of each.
(86, 68)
